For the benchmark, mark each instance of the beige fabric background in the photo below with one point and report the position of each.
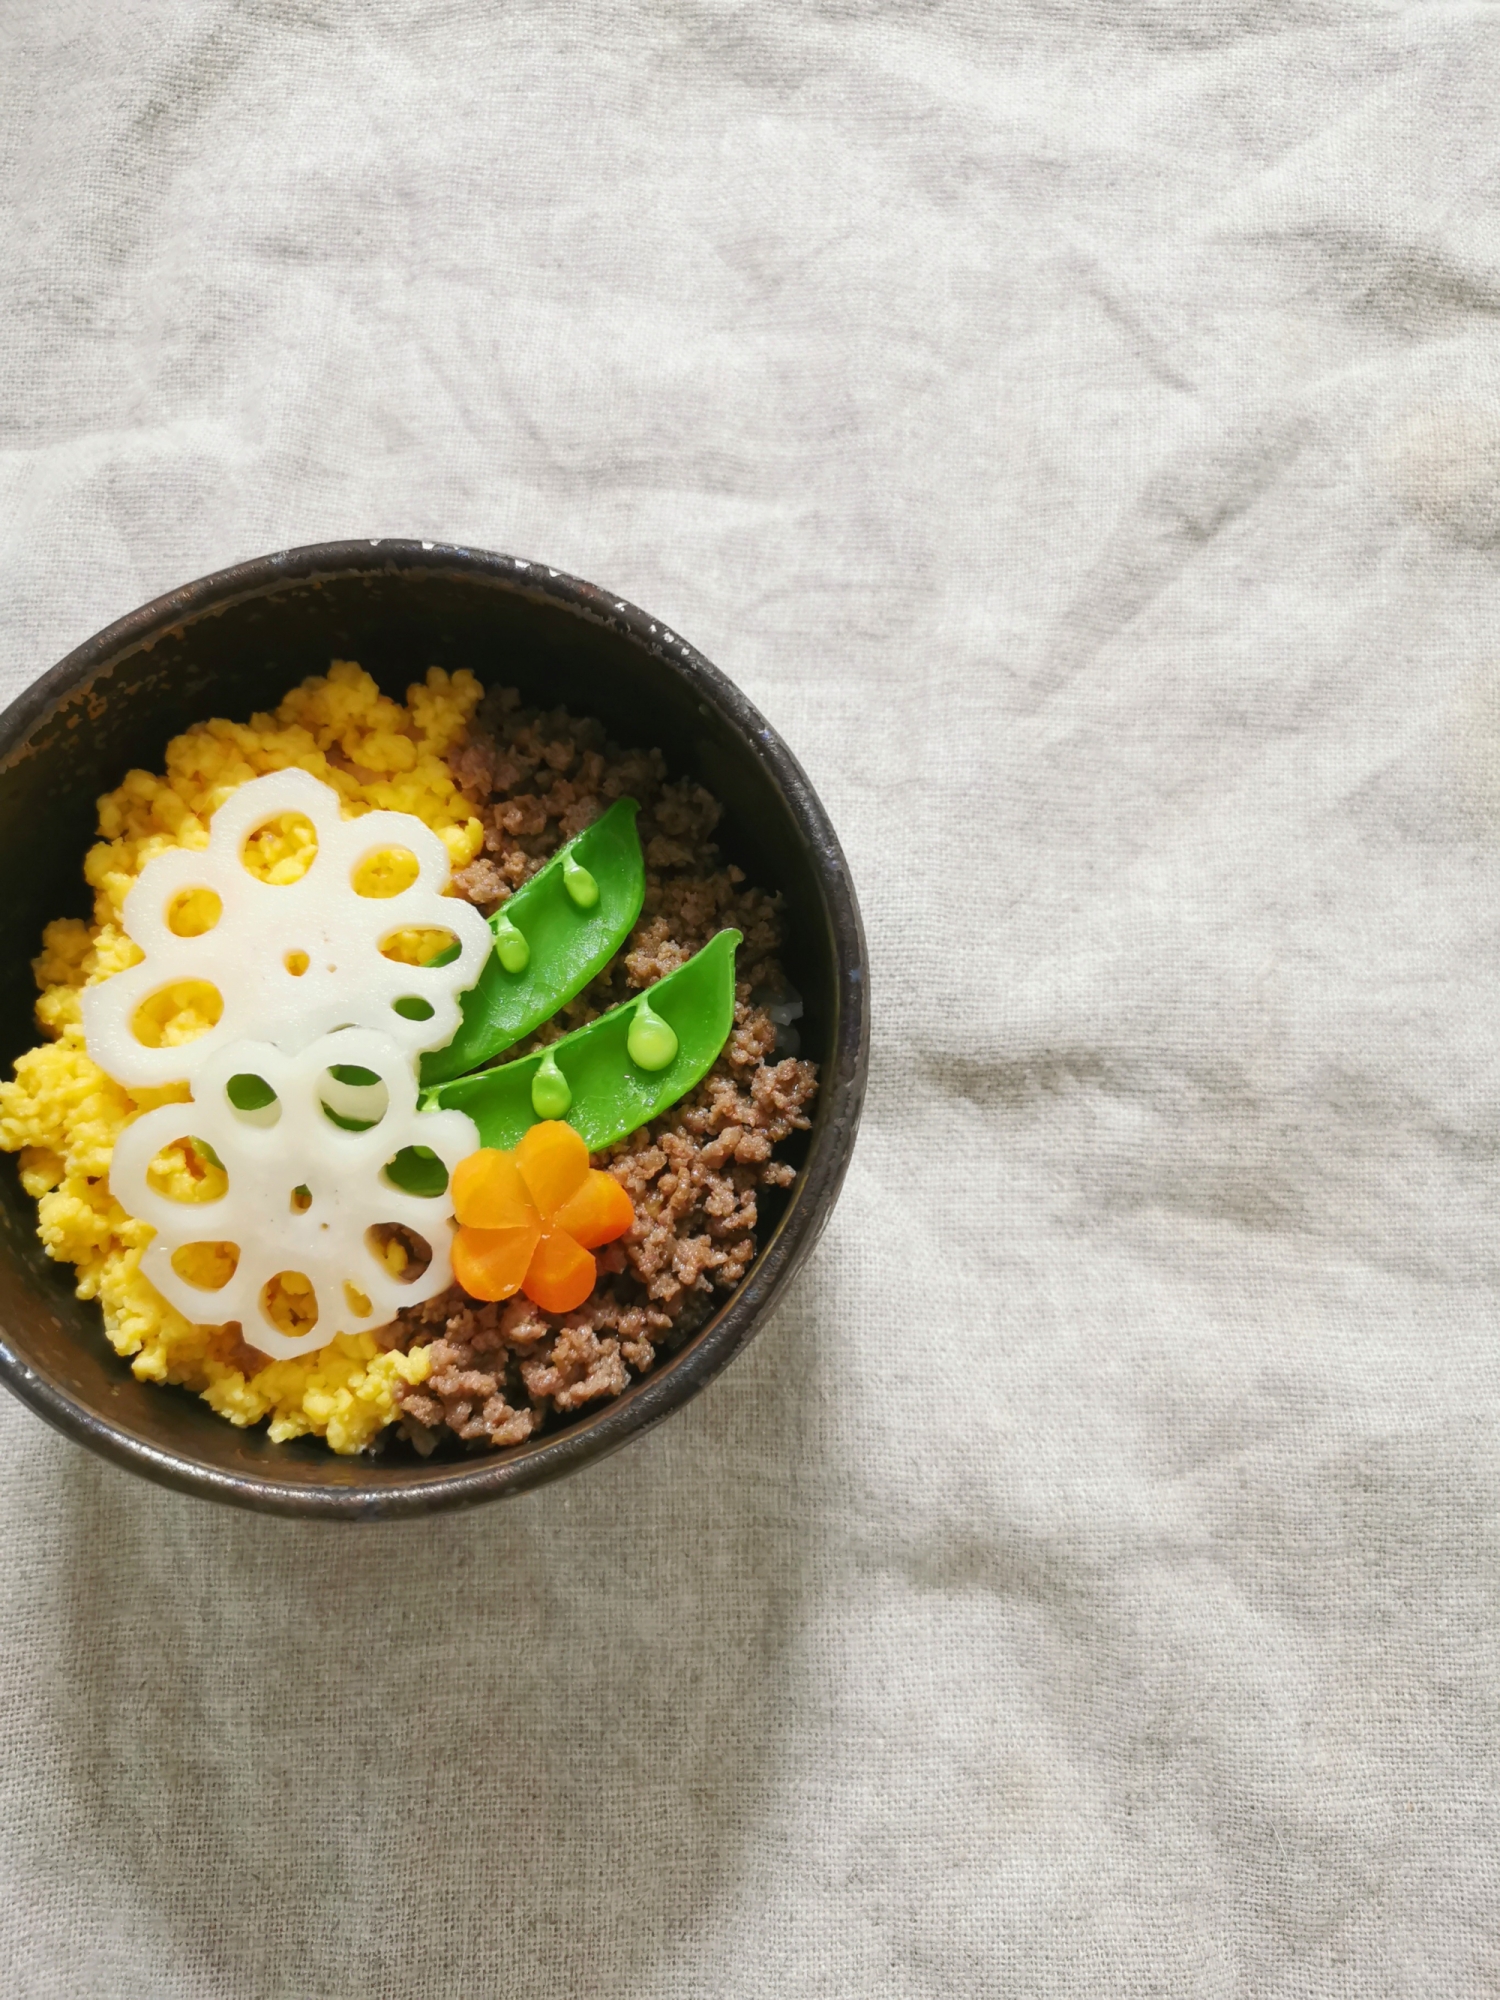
(1079, 428)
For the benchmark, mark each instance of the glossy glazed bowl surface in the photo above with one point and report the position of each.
(233, 643)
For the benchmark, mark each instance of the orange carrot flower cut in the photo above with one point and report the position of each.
(528, 1220)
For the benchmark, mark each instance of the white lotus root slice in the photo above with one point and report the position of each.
(290, 961)
(303, 1192)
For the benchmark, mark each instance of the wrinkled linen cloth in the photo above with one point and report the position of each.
(1079, 430)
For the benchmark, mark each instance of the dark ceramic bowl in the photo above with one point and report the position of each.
(235, 642)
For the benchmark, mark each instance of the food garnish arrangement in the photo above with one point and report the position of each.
(415, 1081)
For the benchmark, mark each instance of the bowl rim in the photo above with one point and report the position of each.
(841, 1082)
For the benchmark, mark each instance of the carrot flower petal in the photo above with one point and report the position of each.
(493, 1263)
(561, 1274)
(489, 1193)
(599, 1212)
(553, 1161)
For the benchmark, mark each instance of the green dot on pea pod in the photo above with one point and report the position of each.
(550, 1094)
(578, 882)
(512, 950)
(650, 1042)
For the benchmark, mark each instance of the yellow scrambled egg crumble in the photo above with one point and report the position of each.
(63, 1114)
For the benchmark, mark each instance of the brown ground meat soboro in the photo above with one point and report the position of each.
(502, 1372)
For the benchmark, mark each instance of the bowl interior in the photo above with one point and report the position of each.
(236, 650)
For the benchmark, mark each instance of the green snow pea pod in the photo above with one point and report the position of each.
(548, 944)
(418, 1170)
(612, 1096)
